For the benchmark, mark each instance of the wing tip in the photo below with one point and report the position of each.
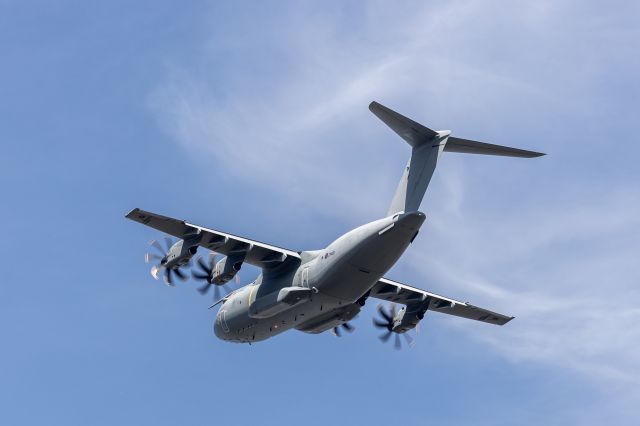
(507, 320)
(132, 213)
(532, 154)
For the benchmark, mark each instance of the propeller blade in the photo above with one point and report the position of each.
(212, 260)
(180, 274)
(216, 292)
(236, 278)
(384, 314)
(155, 269)
(409, 339)
(336, 332)
(168, 241)
(348, 327)
(385, 336)
(199, 276)
(205, 288)
(380, 324)
(167, 277)
(204, 266)
(156, 245)
(397, 345)
(148, 257)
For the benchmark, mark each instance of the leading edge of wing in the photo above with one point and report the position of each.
(143, 216)
(496, 318)
(419, 290)
(247, 240)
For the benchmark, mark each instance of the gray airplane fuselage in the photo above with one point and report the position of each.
(315, 291)
(325, 289)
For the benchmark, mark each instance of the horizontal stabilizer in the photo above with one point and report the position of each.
(426, 147)
(413, 133)
(467, 146)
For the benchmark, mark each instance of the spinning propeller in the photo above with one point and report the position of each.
(387, 322)
(207, 274)
(162, 257)
(348, 327)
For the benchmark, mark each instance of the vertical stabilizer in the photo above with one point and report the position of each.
(426, 146)
(417, 175)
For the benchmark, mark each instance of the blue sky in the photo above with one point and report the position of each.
(252, 118)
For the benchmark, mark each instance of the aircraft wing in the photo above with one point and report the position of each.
(257, 253)
(396, 292)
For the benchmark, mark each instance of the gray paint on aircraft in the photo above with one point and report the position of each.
(314, 291)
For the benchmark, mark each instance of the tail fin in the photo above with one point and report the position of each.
(426, 146)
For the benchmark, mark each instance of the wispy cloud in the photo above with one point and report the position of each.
(303, 128)
(298, 128)
(568, 271)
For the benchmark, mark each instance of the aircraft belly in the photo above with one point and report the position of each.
(329, 319)
(244, 329)
(348, 282)
(379, 254)
(360, 268)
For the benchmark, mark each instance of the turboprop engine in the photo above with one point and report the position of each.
(220, 272)
(399, 322)
(177, 254)
(226, 269)
(217, 274)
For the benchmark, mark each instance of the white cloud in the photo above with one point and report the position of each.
(484, 68)
(568, 271)
(294, 133)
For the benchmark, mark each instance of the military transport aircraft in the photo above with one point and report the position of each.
(320, 290)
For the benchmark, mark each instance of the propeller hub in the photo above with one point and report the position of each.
(209, 276)
(170, 268)
(387, 321)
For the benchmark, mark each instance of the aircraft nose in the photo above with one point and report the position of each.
(412, 220)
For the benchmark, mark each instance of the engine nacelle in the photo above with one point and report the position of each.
(226, 269)
(179, 254)
(409, 316)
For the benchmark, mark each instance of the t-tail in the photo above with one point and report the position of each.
(426, 146)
